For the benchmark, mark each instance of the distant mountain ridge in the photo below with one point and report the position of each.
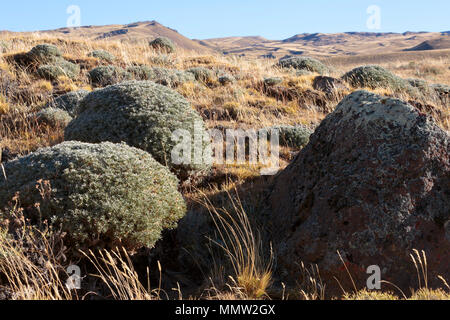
(314, 44)
(322, 44)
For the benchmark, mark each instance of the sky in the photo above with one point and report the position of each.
(203, 19)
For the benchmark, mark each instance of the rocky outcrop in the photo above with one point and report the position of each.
(373, 183)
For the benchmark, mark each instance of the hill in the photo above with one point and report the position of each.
(320, 44)
(442, 42)
(134, 32)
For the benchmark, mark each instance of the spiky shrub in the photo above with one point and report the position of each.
(292, 136)
(304, 63)
(144, 115)
(102, 195)
(44, 53)
(163, 44)
(202, 74)
(107, 75)
(373, 76)
(69, 102)
(53, 117)
(102, 55)
(164, 76)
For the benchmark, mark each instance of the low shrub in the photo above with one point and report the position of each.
(163, 44)
(102, 55)
(103, 76)
(373, 77)
(304, 63)
(102, 195)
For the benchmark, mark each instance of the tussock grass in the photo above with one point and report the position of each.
(252, 267)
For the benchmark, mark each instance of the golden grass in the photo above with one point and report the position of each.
(29, 260)
(116, 271)
(242, 245)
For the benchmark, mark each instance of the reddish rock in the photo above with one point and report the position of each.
(373, 183)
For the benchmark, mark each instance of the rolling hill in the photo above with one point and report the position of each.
(138, 31)
(315, 44)
(328, 45)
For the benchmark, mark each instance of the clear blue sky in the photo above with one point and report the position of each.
(202, 19)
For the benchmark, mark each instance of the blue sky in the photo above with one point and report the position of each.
(201, 19)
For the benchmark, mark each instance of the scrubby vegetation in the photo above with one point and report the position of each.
(108, 195)
(373, 77)
(106, 75)
(294, 137)
(102, 55)
(102, 195)
(304, 64)
(142, 114)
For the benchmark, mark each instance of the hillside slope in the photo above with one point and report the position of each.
(135, 32)
(320, 44)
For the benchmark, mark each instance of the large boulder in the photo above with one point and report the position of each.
(102, 195)
(144, 115)
(373, 183)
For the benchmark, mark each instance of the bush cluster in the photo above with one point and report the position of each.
(51, 64)
(102, 195)
(144, 115)
(292, 136)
